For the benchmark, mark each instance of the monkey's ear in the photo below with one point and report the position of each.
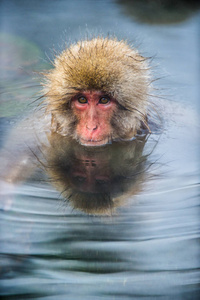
(54, 123)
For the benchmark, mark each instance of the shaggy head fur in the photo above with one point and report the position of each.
(104, 65)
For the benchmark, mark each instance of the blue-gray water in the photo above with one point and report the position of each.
(149, 248)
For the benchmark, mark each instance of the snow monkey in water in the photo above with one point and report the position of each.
(98, 92)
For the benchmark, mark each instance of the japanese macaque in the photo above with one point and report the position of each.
(98, 92)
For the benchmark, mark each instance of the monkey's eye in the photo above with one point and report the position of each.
(82, 100)
(104, 100)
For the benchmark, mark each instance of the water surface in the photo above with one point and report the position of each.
(149, 247)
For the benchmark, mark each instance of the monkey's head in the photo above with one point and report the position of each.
(98, 91)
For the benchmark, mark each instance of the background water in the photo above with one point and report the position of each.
(150, 249)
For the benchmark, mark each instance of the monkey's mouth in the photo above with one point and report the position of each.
(93, 143)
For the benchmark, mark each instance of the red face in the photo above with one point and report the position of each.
(93, 110)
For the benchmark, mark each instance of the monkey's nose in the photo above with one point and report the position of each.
(91, 128)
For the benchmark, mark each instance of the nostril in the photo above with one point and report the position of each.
(91, 128)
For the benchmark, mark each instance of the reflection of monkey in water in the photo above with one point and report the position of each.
(95, 180)
(96, 93)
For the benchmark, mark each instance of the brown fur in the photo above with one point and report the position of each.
(104, 65)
